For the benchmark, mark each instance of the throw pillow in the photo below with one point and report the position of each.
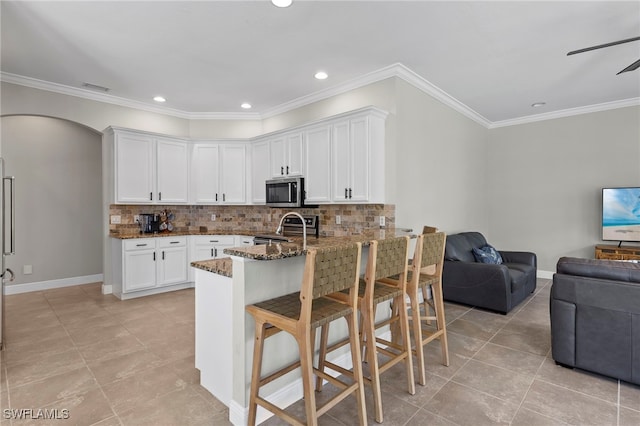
(487, 254)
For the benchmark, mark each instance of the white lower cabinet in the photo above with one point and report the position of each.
(150, 265)
(144, 266)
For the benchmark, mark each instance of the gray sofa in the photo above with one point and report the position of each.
(496, 287)
(595, 317)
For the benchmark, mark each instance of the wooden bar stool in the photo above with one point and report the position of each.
(299, 314)
(386, 258)
(425, 272)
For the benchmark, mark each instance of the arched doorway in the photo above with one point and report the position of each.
(58, 168)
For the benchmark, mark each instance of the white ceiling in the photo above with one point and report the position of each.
(493, 59)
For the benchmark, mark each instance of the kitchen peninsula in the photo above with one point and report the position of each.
(225, 332)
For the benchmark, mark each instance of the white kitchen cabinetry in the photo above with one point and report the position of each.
(171, 260)
(149, 265)
(260, 171)
(148, 169)
(357, 162)
(318, 165)
(218, 173)
(287, 155)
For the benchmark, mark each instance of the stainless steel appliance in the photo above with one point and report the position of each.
(291, 225)
(287, 192)
(7, 236)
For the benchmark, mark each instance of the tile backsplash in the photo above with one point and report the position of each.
(355, 218)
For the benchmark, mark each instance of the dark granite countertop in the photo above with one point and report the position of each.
(276, 251)
(222, 266)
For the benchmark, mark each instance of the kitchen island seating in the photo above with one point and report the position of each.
(326, 270)
(386, 258)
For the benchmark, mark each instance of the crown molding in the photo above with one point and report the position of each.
(397, 70)
(566, 113)
(115, 100)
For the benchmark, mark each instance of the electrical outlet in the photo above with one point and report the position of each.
(136, 218)
(381, 221)
(213, 217)
(338, 219)
(27, 269)
(116, 219)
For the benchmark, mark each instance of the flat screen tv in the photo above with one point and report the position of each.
(621, 214)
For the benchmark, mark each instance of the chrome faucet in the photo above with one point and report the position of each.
(304, 227)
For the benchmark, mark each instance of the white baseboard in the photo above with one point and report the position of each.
(545, 274)
(48, 285)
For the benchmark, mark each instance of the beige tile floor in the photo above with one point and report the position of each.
(111, 362)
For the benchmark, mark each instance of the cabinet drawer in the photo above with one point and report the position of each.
(140, 244)
(215, 239)
(165, 242)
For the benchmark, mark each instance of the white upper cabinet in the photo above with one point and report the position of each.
(358, 159)
(287, 155)
(260, 171)
(205, 171)
(149, 169)
(172, 171)
(318, 165)
(218, 173)
(134, 168)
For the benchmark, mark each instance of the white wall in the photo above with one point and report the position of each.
(545, 178)
(57, 166)
(441, 170)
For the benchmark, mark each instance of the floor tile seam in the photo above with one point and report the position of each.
(9, 385)
(513, 372)
(486, 394)
(94, 386)
(106, 398)
(151, 401)
(432, 414)
(541, 379)
(511, 349)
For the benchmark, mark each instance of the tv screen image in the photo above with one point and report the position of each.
(621, 214)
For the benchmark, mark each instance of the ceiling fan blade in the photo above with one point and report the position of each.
(633, 66)
(600, 46)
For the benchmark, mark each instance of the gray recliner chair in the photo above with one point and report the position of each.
(595, 317)
(498, 287)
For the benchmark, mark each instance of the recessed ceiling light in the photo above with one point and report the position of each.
(159, 99)
(321, 75)
(246, 105)
(282, 3)
(538, 104)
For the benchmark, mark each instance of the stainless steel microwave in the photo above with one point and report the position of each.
(286, 192)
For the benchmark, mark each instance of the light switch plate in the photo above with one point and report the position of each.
(116, 218)
(382, 221)
(338, 220)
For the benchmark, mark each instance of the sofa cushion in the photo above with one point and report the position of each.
(598, 268)
(460, 246)
(519, 273)
(487, 254)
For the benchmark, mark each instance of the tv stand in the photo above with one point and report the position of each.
(617, 252)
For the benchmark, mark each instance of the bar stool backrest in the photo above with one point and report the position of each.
(335, 269)
(433, 250)
(391, 257)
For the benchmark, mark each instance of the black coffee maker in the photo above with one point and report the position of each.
(149, 223)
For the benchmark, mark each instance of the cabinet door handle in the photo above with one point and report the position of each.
(281, 170)
(224, 197)
(151, 196)
(287, 169)
(154, 256)
(216, 196)
(159, 196)
(345, 193)
(141, 245)
(162, 254)
(212, 253)
(214, 241)
(174, 242)
(349, 193)
(216, 252)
